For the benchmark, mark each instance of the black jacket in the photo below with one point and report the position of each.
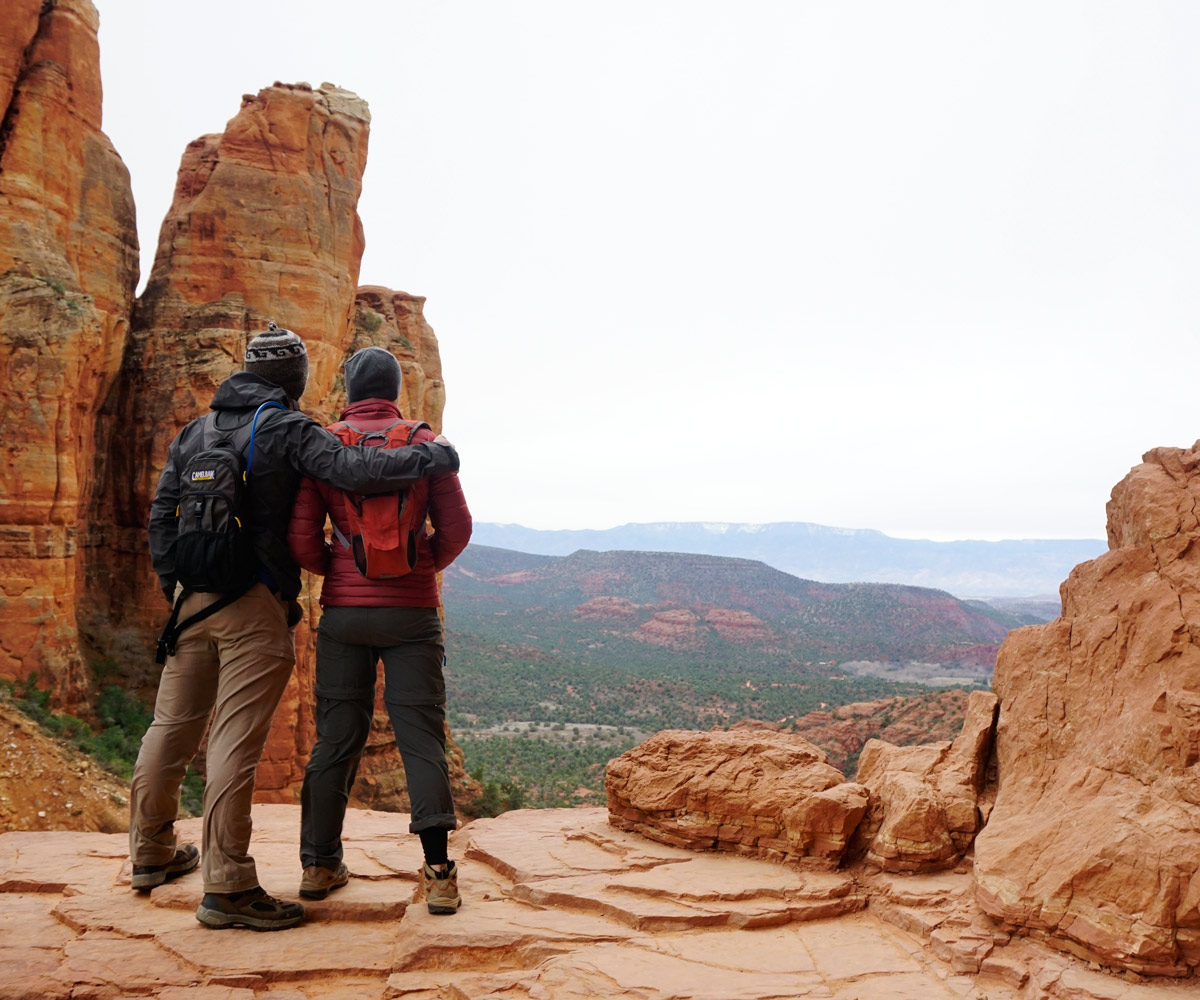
(287, 445)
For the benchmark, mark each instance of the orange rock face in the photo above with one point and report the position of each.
(751, 791)
(924, 808)
(1093, 841)
(293, 156)
(263, 225)
(68, 270)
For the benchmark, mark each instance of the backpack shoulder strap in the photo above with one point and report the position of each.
(413, 427)
(270, 404)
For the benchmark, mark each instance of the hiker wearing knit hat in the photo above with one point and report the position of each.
(279, 356)
(372, 373)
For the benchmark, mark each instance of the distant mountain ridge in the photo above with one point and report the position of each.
(724, 610)
(1010, 568)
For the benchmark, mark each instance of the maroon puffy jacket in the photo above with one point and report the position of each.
(344, 586)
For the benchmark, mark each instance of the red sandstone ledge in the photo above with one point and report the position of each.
(558, 904)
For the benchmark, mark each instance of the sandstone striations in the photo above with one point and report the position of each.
(755, 792)
(925, 801)
(1094, 841)
(68, 270)
(263, 225)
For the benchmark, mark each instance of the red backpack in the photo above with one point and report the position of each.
(383, 527)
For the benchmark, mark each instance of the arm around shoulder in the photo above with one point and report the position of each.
(319, 454)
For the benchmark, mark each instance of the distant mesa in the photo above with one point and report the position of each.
(1008, 569)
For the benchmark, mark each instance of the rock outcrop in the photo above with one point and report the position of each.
(842, 732)
(1076, 786)
(68, 270)
(756, 792)
(924, 807)
(557, 904)
(263, 226)
(1094, 841)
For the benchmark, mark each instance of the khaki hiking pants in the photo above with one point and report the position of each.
(233, 667)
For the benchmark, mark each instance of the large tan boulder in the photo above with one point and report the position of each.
(1094, 841)
(68, 270)
(924, 809)
(756, 792)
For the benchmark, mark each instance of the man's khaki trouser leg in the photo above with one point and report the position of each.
(237, 662)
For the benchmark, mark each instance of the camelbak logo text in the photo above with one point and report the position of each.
(203, 474)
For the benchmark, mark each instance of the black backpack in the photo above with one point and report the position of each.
(214, 549)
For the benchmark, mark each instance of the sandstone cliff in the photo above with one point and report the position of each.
(1094, 841)
(263, 225)
(68, 270)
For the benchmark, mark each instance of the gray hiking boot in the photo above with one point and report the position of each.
(441, 888)
(318, 882)
(148, 876)
(252, 908)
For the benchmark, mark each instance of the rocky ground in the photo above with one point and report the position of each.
(44, 785)
(558, 905)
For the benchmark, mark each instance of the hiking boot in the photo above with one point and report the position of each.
(441, 888)
(318, 882)
(148, 876)
(252, 908)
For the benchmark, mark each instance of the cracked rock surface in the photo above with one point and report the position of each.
(1094, 840)
(557, 904)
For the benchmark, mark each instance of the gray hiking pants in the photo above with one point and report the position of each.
(350, 643)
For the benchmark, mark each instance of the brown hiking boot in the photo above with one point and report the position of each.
(441, 888)
(252, 908)
(318, 882)
(148, 876)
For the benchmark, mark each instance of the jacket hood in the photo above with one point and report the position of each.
(371, 408)
(245, 391)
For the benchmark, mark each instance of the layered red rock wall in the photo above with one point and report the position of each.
(68, 271)
(1094, 841)
(263, 226)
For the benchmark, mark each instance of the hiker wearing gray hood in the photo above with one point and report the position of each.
(229, 648)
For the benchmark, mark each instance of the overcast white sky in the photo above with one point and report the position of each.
(930, 268)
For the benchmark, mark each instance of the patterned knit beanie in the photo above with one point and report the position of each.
(279, 356)
(372, 373)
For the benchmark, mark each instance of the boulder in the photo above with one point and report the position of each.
(1093, 840)
(755, 792)
(924, 809)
